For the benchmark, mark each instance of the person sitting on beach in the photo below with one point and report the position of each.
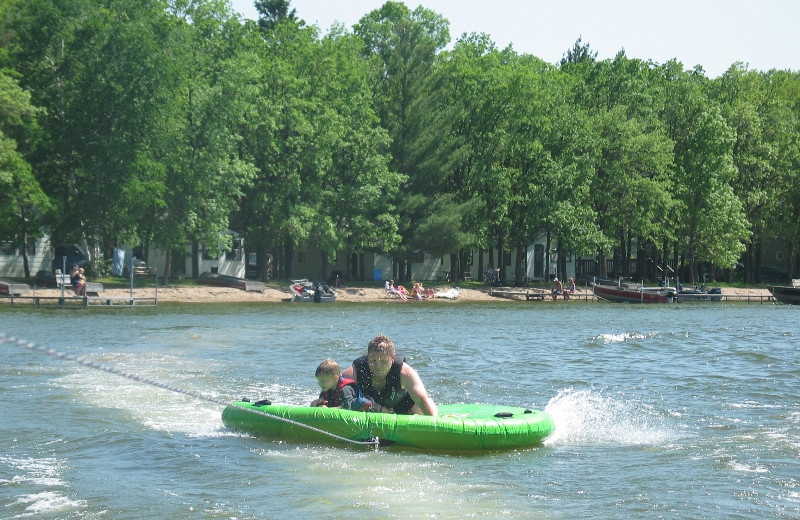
(557, 289)
(78, 280)
(570, 290)
(338, 392)
(400, 291)
(416, 292)
(491, 274)
(391, 382)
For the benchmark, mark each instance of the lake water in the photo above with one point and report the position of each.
(663, 411)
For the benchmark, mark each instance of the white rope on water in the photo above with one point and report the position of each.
(139, 379)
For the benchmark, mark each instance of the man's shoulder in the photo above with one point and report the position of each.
(407, 369)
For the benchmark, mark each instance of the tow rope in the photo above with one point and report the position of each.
(80, 360)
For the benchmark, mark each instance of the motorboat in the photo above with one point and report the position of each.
(222, 280)
(700, 293)
(8, 288)
(625, 292)
(785, 294)
(304, 291)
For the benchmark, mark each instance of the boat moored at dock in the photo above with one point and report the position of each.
(634, 293)
(787, 295)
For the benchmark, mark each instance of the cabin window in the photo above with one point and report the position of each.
(238, 251)
(6, 248)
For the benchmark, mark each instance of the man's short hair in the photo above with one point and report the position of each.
(381, 345)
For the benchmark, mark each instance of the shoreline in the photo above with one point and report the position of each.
(212, 294)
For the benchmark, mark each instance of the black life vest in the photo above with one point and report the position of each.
(392, 394)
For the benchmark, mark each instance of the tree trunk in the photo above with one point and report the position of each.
(325, 266)
(758, 251)
(195, 260)
(501, 256)
(167, 265)
(262, 262)
(602, 268)
(748, 268)
(520, 276)
(547, 246)
(288, 260)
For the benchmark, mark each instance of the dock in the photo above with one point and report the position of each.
(78, 301)
(520, 293)
(517, 293)
(748, 298)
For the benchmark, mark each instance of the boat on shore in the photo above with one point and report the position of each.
(634, 293)
(9, 288)
(459, 427)
(700, 294)
(50, 279)
(785, 294)
(304, 291)
(222, 280)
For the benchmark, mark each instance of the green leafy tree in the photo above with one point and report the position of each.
(477, 85)
(401, 46)
(273, 12)
(323, 178)
(783, 218)
(709, 223)
(22, 201)
(763, 132)
(203, 174)
(631, 188)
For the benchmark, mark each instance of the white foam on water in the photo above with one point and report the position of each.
(748, 468)
(43, 475)
(154, 407)
(164, 410)
(47, 502)
(589, 417)
(619, 338)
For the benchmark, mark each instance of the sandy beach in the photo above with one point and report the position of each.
(210, 294)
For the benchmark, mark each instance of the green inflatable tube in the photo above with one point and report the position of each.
(459, 427)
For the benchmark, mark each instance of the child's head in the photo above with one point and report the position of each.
(328, 374)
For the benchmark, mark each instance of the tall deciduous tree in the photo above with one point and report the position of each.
(402, 47)
(22, 201)
(709, 223)
(783, 218)
(323, 179)
(204, 173)
(630, 187)
(762, 133)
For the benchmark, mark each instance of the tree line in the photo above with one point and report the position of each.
(167, 122)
